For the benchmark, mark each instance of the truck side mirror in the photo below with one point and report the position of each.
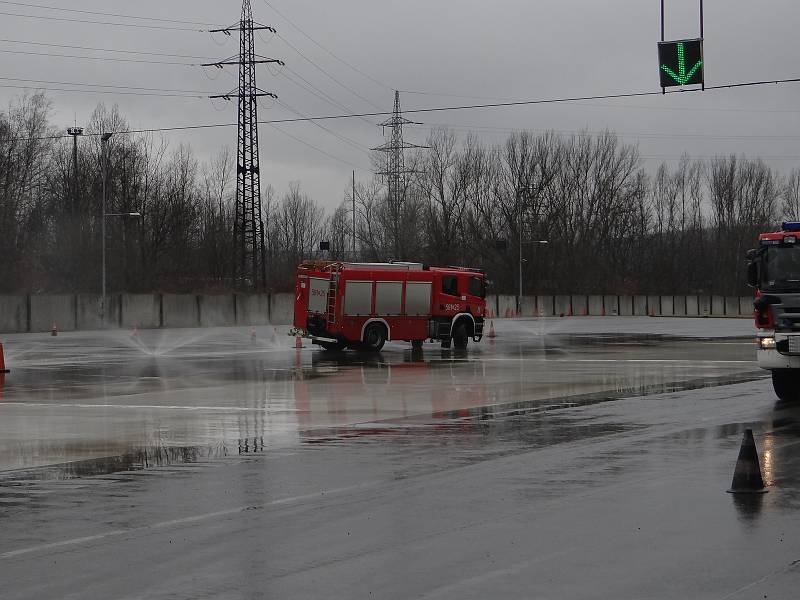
(752, 273)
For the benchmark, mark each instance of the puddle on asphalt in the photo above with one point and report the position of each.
(489, 416)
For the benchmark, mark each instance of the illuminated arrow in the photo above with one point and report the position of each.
(682, 77)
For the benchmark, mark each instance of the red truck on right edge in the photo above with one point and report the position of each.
(773, 269)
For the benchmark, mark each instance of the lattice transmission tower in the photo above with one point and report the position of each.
(395, 171)
(249, 266)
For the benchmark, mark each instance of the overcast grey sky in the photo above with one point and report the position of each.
(440, 53)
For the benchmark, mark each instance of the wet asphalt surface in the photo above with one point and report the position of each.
(568, 458)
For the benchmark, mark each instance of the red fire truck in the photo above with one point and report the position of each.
(362, 305)
(774, 270)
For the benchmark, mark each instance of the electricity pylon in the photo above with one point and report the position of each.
(395, 171)
(249, 268)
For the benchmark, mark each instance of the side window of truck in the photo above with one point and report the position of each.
(476, 287)
(450, 286)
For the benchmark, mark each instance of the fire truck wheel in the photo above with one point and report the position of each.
(374, 337)
(460, 336)
(785, 383)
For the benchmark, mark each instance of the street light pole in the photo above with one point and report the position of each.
(103, 160)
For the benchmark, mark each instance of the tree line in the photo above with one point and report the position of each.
(610, 225)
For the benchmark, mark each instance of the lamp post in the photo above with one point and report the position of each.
(103, 144)
(104, 167)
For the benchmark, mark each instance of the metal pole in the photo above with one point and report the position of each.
(519, 297)
(702, 85)
(354, 216)
(104, 167)
(663, 89)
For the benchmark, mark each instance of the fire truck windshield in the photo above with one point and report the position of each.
(781, 269)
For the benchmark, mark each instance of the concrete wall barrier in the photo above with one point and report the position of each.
(49, 310)
(746, 306)
(13, 313)
(692, 306)
(640, 306)
(704, 305)
(506, 305)
(718, 306)
(252, 309)
(654, 305)
(595, 305)
(544, 306)
(281, 309)
(667, 306)
(89, 315)
(580, 305)
(563, 305)
(679, 306)
(180, 310)
(140, 310)
(528, 306)
(732, 306)
(625, 304)
(217, 311)
(611, 305)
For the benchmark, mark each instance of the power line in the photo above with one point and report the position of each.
(100, 85)
(316, 43)
(324, 72)
(71, 47)
(107, 23)
(121, 93)
(102, 14)
(456, 108)
(345, 139)
(313, 147)
(100, 58)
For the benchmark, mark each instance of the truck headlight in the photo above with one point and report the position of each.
(766, 343)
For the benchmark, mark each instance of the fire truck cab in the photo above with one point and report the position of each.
(361, 306)
(774, 270)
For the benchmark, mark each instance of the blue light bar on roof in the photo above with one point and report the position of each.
(791, 225)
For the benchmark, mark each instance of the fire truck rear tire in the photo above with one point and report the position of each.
(374, 337)
(460, 336)
(786, 383)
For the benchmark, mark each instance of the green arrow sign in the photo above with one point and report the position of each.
(681, 62)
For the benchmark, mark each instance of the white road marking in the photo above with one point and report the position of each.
(182, 521)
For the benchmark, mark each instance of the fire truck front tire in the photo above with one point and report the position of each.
(460, 336)
(374, 337)
(786, 383)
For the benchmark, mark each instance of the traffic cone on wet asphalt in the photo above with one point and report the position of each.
(747, 474)
(54, 330)
(2, 360)
(298, 342)
(492, 333)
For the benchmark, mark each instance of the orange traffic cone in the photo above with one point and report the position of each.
(747, 474)
(54, 330)
(492, 333)
(298, 342)
(3, 360)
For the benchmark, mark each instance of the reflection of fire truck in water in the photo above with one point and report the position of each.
(774, 270)
(362, 305)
